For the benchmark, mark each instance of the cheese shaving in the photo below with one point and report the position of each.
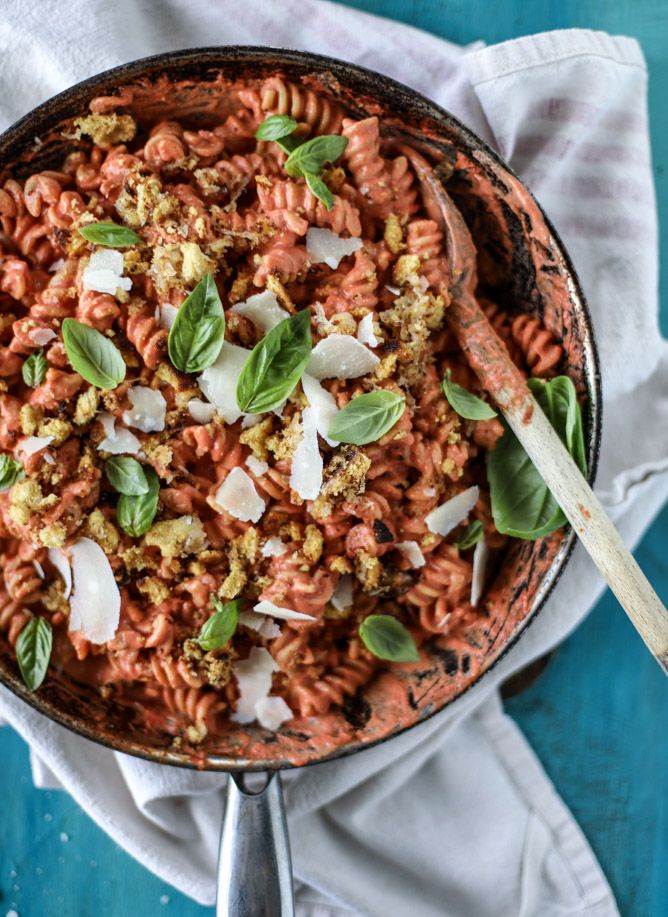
(95, 604)
(117, 442)
(104, 272)
(262, 309)
(307, 465)
(148, 409)
(443, 519)
(341, 356)
(412, 553)
(29, 445)
(324, 246)
(265, 607)
(365, 333)
(238, 497)
(323, 403)
(218, 382)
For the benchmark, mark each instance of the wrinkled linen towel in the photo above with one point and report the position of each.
(456, 817)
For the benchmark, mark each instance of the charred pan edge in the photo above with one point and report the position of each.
(359, 87)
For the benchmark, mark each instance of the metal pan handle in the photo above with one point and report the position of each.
(254, 865)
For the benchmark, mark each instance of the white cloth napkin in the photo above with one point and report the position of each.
(456, 817)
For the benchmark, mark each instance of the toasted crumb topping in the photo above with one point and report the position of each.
(407, 270)
(215, 667)
(394, 234)
(30, 418)
(108, 129)
(86, 407)
(345, 474)
(275, 286)
(256, 437)
(195, 263)
(368, 570)
(102, 531)
(27, 498)
(154, 589)
(53, 536)
(242, 553)
(59, 429)
(414, 315)
(284, 442)
(177, 537)
(313, 544)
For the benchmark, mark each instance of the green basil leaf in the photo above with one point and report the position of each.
(220, 627)
(275, 127)
(33, 651)
(320, 189)
(34, 369)
(465, 403)
(522, 505)
(92, 355)
(387, 638)
(471, 535)
(366, 418)
(126, 475)
(275, 365)
(197, 335)
(312, 155)
(110, 234)
(11, 471)
(135, 515)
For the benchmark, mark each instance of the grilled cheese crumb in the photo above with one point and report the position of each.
(59, 429)
(53, 536)
(195, 263)
(284, 443)
(26, 499)
(345, 475)
(154, 589)
(368, 571)
(30, 418)
(313, 544)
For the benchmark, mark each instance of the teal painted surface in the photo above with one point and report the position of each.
(596, 718)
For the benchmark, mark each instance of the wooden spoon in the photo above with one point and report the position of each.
(491, 362)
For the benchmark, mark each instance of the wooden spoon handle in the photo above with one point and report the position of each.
(492, 364)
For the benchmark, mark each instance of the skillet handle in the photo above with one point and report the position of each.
(254, 865)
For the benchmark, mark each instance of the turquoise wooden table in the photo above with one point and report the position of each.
(597, 716)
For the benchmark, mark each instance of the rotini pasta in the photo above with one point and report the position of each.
(218, 202)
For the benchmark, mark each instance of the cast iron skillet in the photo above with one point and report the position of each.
(524, 267)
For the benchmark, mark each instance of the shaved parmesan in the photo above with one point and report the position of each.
(218, 382)
(148, 409)
(116, 441)
(104, 272)
(412, 553)
(271, 712)
(448, 515)
(95, 604)
(29, 445)
(250, 420)
(262, 309)
(395, 291)
(201, 411)
(41, 336)
(265, 607)
(480, 558)
(323, 403)
(340, 356)
(62, 565)
(40, 570)
(324, 246)
(49, 459)
(273, 547)
(261, 623)
(256, 467)
(238, 497)
(343, 594)
(166, 315)
(254, 680)
(307, 465)
(365, 331)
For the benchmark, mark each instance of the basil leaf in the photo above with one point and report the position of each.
(312, 155)
(110, 234)
(275, 365)
(275, 127)
(522, 505)
(11, 471)
(34, 369)
(320, 189)
(466, 404)
(92, 355)
(220, 627)
(33, 651)
(126, 475)
(135, 515)
(366, 418)
(471, 535)
(387, 638)
(197, 335)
